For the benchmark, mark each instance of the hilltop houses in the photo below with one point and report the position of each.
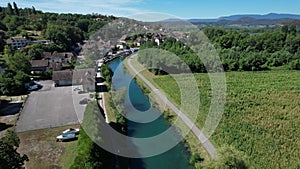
(18, 42)
(22, 42)
(52, 61)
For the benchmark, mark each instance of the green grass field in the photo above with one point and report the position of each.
(261, 115)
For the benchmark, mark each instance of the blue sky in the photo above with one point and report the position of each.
(179, 8)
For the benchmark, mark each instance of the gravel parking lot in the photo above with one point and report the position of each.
(51, 107)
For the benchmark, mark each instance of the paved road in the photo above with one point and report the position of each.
(51, 107)
(205, 142)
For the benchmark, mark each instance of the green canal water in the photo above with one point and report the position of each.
(175, 158)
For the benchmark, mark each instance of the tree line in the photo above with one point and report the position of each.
(238, 50)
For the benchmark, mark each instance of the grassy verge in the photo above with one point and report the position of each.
(191, 141)
(109, 109)
(43, 150)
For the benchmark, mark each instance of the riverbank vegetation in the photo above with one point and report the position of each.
(260, 116)
(238, 51)
(89, 153)
(197, 154)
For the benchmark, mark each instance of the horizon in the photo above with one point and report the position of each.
(176, 8)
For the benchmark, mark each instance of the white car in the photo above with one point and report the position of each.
(71, 131)
(64, 137)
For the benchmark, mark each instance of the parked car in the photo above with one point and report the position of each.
(81, 92)
(35, 87)
(65, 137)
(76, 89)
(84, 101)
(71, 131)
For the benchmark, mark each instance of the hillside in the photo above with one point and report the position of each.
(250, 20)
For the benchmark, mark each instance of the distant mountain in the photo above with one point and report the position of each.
(267, 16)
(203, 20)
(270, 16)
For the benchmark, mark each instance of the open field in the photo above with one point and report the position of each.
(43, 150)
(261, 114)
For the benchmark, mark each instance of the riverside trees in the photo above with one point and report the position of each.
(238, 50)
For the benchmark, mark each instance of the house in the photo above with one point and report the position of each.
(18, 42)
(60, 57)
(43, 41)
(62, 78)
(84, 77)
(55, 66)
(38, 66)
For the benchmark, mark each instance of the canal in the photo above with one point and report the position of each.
(175, 158)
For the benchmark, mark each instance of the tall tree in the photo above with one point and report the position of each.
(10, 10)
(17, 73)
(33, 10)
(9, 157)
(16, 9)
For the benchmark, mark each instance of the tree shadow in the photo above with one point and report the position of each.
(101, 88)
(4, 126)
(10, 108)
(100, 80)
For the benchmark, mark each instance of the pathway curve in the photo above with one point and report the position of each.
(205, 142)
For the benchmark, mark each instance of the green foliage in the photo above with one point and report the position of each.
(67, 36)
(16, 74)
(170, 57)
(9, 157)
(90, 155)
(196, 159)
(117, 103)
(9, 9)
(241, 51)
(260, 116)
(295, 64)
(16, 9)
(106, 72)
(11, 138)
(228, 158)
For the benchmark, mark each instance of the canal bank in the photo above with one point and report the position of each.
(193, 140)
(176, 157)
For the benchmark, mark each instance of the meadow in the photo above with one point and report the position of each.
(261, 115)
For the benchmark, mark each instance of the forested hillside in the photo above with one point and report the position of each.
(64, 29)
(65, 32)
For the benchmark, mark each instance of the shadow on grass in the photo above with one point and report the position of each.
(68, 140)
